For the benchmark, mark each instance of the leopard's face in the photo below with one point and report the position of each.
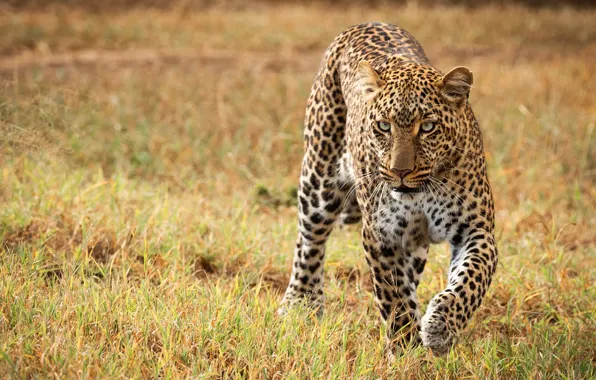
(414, 125)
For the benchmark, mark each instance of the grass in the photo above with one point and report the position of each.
(148, 173)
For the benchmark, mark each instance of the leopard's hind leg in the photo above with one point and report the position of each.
(323, 186)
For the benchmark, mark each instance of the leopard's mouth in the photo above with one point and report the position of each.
(406, 189)
(419, 186)
(410, 184)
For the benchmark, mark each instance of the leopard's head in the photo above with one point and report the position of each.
(415, 118)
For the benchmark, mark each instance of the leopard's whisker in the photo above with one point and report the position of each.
(458, 185)
(441, 185)
(461, 187)
(433, 187)
(427, 186)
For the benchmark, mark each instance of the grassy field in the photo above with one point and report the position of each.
(148, 167)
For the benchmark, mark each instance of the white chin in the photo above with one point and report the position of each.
(403, 196)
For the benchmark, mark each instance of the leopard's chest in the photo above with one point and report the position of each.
(412, 221)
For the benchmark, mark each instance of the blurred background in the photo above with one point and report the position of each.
(165, 4)
(159, 143)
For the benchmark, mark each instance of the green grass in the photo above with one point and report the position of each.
(147, 213)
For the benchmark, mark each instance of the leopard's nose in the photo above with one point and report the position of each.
(401, 173)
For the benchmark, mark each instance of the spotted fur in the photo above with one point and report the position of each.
(392, 141)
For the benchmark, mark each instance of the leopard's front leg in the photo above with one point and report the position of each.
(472, 266)
(395, 272)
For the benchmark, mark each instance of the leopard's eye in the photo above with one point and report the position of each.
(427, 126)
(384, 126)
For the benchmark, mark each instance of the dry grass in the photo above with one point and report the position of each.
(148, 172)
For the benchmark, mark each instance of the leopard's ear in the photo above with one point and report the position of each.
(455, 85)
(368, 81)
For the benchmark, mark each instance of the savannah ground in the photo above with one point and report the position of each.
(149, 159)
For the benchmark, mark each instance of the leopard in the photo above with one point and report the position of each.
(392, 143)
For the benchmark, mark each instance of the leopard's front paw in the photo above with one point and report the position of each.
(437, 330)
(437, 334)
(312, 301)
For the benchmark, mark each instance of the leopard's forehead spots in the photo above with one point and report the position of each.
(410, 82)
(408, 99)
